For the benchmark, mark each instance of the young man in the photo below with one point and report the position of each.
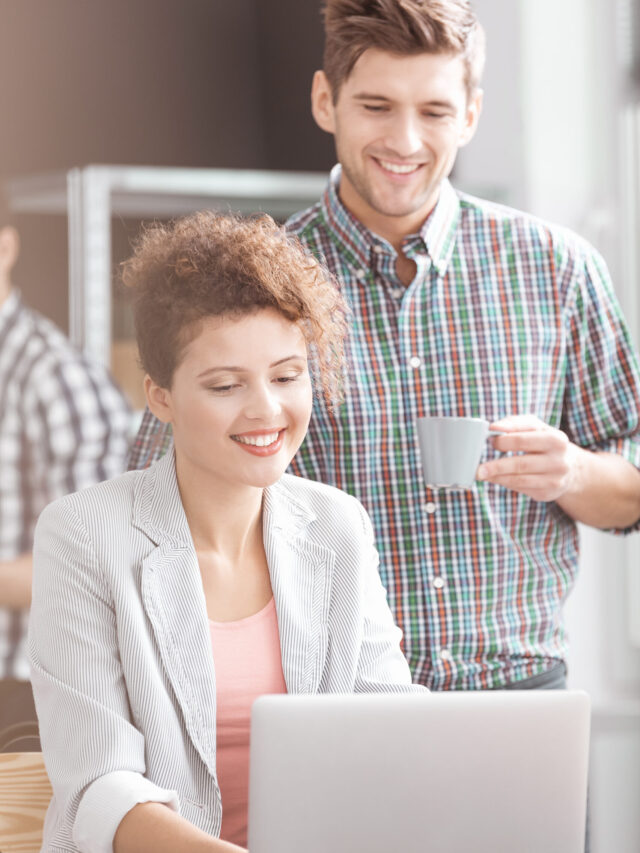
(460, 307)
(63, 426)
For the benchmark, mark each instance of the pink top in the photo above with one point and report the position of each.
(248, 663)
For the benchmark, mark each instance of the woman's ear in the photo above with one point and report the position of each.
(158, 400)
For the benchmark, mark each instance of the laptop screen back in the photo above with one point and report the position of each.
(500, 771)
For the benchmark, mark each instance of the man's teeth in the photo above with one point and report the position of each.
(257, 440)
(399, 169)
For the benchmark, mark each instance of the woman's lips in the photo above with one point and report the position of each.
(260, 443)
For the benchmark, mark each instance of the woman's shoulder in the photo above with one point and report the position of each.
(103, 498)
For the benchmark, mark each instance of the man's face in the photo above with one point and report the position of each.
(398, 124)
(9, 250)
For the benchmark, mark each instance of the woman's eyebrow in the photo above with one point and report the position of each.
(235, 369)
(295, 357)
(221, 369)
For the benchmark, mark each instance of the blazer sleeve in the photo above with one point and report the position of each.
(95, 757)
(382, 668)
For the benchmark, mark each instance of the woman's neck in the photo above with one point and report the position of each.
(223, 519)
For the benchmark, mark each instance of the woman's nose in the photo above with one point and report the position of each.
(263, 404)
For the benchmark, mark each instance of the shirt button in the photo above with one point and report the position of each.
(415, 361)
(430, 507)
(397, 292)
(445, 654)
(360, 274)
(438, 583)
(378, 249)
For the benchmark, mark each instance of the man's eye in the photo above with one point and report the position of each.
(374, 108)
(221, 389)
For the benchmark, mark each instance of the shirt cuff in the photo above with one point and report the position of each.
(105, 803)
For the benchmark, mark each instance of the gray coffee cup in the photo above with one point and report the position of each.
(451, 449)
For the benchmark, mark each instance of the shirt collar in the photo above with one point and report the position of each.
(436, 238)
(438, 233)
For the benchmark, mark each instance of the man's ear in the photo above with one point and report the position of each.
(158, 400)
(322, 107)
(474, 108)
(9, 249)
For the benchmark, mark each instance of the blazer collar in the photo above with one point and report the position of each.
(283, 512)
(157, 506)
(301, 570)
(158, 510)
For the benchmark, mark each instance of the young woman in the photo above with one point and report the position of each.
(165, 601)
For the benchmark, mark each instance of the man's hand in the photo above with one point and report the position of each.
(597, 488)
(546, 463)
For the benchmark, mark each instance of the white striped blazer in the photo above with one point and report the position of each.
(120, 649)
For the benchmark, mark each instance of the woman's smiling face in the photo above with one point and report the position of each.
(240, 399)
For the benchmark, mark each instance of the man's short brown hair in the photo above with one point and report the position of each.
(222, 265)
(402, 27)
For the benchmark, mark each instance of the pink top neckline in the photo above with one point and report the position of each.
(245, 620)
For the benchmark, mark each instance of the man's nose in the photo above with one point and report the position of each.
(404, 135)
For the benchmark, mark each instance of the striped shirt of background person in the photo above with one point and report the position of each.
(63, 425)
(506, 315)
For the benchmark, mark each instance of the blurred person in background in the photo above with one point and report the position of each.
(63, 426)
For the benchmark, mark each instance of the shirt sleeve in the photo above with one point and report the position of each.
(602, 396)
(95, 756)
(77, 424)
(151, 443)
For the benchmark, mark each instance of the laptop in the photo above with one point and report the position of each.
(472, 772)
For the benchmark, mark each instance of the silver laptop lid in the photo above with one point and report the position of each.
(500, 771)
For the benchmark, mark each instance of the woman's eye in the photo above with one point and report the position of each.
(284, 379)
(221, 389)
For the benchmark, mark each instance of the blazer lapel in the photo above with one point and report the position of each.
(300, 571)
(172, 595)
(174, 601)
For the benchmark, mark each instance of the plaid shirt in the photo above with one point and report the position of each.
(506, 315)
(63, 426)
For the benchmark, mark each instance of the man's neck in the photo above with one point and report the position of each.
(393, 229)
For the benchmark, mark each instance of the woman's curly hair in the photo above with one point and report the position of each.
(210, 265)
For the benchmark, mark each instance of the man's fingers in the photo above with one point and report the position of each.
(520, 423)
(529, 463)
(533, 441)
